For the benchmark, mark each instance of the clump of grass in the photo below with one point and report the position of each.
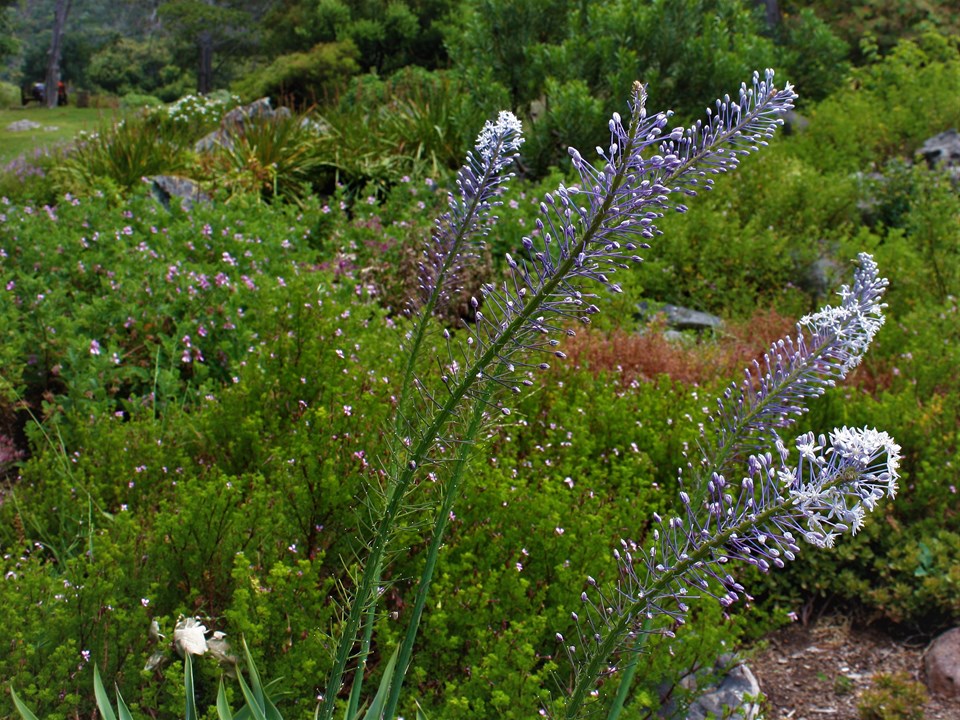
(894, 696)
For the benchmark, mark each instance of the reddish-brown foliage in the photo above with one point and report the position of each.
(645, 356)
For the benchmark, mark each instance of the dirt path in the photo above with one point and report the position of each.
(820, 672)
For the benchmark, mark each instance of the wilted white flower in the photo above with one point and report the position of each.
(220, 649)
(155, 633)
(189, 636)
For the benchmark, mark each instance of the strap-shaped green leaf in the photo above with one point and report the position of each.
(191, 700)
(223, 707)
(103, 700)
(375, 711)
(24, 711)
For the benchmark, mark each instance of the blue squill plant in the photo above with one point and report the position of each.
(750, 498)
(585, 234)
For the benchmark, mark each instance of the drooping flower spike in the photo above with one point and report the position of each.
(777, 503)
(828, 345)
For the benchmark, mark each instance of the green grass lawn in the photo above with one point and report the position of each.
(59, 125)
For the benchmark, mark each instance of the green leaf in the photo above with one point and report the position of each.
(255, 684)
(375, 711)
(421, 715)
(123, 712)
(256, 710)
(263, 702)
(223, 707)
(103, 700)
(24, 711)
(191, 700)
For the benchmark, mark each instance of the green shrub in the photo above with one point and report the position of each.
(9, 95)
(130, 67)
(898, 102)
(816, 59)
(571, 113)
(137, 101)
(116, 158)
(893, 697)
(305, 78)
(190, 117)
(273, 158)
(414, 124)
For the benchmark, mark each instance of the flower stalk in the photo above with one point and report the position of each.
(760, 519)
(641, 171)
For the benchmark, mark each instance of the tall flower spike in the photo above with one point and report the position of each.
(458, 234)
(761, 519)
(828, 345)
(463, 226)
(589, 231)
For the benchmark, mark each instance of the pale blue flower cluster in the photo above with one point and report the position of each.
(761, 517)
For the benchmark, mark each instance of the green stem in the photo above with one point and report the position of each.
(421, 449)
(586, 678)
(439, 529)
(626, 679)
(471, 377)
(372, 579)
(353, 705)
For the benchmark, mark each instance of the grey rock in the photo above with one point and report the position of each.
(821, 276)
(676, 337)
(941, 664)
(23, 126)
(682, 318)
(235, 120)
(167, 187)
(728, 690)
(942, 150)
(734, 697)
(794, 122)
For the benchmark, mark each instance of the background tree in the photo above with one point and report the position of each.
(52, 77)
(8, 43)
(207, 28)
(389, 34)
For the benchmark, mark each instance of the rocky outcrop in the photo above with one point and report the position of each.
(166, 188)
(235, 120)
(941, 664)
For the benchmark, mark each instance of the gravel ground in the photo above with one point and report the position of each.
(819, 672)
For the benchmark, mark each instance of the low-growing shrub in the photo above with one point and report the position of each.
(304, 78)
(9, 95)
(894, 697)
(116, 158)
(136, 101)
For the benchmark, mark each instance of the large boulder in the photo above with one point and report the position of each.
(941, 664)
(235, 120)
(942, 149)
(166, 188)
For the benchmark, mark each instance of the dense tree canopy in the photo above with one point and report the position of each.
(564, 61)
